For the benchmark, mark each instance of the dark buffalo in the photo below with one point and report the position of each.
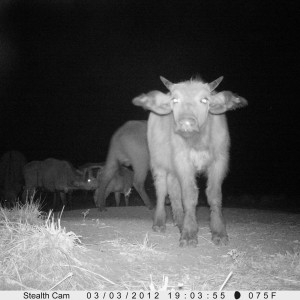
(187, 134)
(128, 147)
(53, 175)
(11, 177)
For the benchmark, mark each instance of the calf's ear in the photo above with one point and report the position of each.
(226, 100)
(155, 101)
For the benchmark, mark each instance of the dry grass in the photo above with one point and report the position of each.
(40, 254)
(29, 213)
(265, 272)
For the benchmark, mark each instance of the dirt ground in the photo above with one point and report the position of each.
(263, 253)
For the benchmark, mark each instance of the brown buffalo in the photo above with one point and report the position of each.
(187, 134)
(128, 147)
(11, 177)
(53, 175)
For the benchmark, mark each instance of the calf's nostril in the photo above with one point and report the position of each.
(188, 122)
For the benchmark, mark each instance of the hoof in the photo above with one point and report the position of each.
(220, 240)
(157, 228)
(150, 207)
(190, 243)
(180, 226)
(188, 238)
(102, 208)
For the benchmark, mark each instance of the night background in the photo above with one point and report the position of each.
(69, 70)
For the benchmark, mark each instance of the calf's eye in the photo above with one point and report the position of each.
(176, 100)
(204, 100)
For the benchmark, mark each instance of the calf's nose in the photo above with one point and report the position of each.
(188, 124)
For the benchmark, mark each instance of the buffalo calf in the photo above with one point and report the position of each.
(188, 133)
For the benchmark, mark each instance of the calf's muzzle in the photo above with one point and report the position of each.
(187, 125)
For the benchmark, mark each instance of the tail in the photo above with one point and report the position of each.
(104, 177)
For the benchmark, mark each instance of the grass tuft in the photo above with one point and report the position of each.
(40, 254)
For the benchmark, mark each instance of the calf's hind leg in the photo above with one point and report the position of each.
(117, 198)
(140, 174)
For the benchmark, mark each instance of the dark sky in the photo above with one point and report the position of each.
(69, 70)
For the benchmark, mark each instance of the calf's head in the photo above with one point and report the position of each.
(190, 102)
(85, 181)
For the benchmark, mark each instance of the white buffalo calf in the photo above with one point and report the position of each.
(187, 134)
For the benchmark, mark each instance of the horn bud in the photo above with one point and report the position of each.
(166, 82)
(214, 84)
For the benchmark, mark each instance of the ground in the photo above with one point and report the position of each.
(263, 253)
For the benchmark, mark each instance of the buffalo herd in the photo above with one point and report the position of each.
(186, 134)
